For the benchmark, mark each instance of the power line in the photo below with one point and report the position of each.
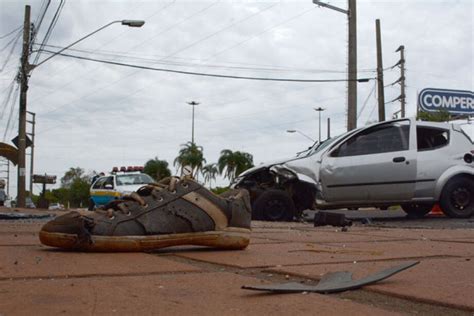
(13, 102)
(10, 53)
(366, 100)
(207, 74)
(50, 29)
(124, 57)
(10, 33)
(258, 34)
(39, 19)
(7, 98)
(143, 42)
(221, 30)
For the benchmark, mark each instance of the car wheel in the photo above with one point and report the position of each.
(414, 210)
(91, 206)
(274, 205)
(457, 198)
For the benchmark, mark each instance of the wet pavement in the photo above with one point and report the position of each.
(195, 280)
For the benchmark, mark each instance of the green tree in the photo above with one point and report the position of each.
(157, 169)
(190, 155)
(440, 116)
(231, 163)
(210, 172)
(70, 175)
(75, 186)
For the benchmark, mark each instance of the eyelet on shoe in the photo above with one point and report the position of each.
(173, 192)
(145, 206)
(160, 199)
(112, 218)
(128, 214)
(185, 185)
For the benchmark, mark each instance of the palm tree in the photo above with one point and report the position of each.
(190, 155)
(234, 163)
(209, 172)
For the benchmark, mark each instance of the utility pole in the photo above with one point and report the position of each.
(32, 149)
(352, 68)
(24, 72)
(193, 104)
(380, 84)
(319, 110)
(352, 59)
(401, 63)
(329, 127)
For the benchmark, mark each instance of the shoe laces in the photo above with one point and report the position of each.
(154, 188)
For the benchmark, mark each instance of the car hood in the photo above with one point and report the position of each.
(306, 165)
(129, 188)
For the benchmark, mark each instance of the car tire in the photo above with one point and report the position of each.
(414, 210)
(457, 198)
(91, 206)
(274, 205)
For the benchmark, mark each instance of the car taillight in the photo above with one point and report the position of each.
(115, 169)
(123, 169)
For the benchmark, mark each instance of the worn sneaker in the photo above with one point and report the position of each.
(172, 212)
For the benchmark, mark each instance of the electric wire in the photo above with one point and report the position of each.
(12, 32)
(7, 98)
(10, 53)
(50, 29)
(258, 34)
(366, 100)
(39, 19)
(12, 108)
(221, 30)
(14, 39)
(227, 65)
(208, 74)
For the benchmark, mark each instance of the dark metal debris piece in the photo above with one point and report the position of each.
(333, 219)
(333, 282)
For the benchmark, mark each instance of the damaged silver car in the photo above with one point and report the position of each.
(404, 162)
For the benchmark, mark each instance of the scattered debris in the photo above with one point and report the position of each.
(333, 219)
(333, 282)
(366, 221)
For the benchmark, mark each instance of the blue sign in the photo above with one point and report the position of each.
(453, 101)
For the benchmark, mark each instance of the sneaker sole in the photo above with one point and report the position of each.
(231, 238)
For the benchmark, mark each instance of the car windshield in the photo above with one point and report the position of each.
(131, 179)
(318, 147)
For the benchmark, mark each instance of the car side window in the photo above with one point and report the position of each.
(109, 181)
(429, 138)
(379, 139)
(99, 184)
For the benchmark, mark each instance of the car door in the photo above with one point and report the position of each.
(375, 164)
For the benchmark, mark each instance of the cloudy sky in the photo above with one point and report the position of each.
(97, 116)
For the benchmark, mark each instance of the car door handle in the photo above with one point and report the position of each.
(399, 159)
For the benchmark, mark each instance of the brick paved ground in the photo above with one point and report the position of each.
(194, 280)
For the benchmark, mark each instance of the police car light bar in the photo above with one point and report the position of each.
(128, 169)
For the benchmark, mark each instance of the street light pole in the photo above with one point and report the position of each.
(352, 59)
(301, 133)
(320, 109)
(24, 73)
(193, 104)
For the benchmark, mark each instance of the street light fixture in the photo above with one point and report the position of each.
(301, 133)
(193, 104)
(129, 23)
(320, 109)
(24, 75)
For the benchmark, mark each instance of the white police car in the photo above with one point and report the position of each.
(114, 186)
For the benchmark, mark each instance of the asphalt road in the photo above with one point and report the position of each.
(397, 219)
